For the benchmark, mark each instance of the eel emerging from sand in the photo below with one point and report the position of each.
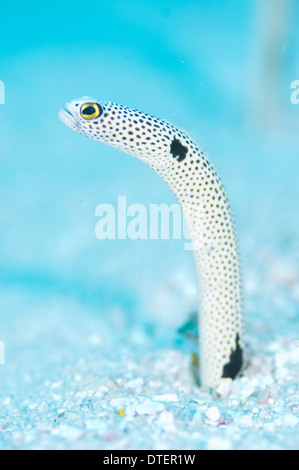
(196, 184)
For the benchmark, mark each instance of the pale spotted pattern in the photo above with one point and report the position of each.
(194, 181)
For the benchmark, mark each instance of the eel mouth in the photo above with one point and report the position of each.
(67, 118)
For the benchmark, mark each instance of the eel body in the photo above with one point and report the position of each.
(194, 181)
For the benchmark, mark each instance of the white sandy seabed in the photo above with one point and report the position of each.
(74, 380)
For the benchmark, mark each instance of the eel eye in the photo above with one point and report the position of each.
(90, 110)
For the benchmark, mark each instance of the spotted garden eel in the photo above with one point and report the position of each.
(194, 181)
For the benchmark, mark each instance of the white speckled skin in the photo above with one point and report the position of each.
(194, 181)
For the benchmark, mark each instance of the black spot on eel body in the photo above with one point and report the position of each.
(178, 150)
(232, 367)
